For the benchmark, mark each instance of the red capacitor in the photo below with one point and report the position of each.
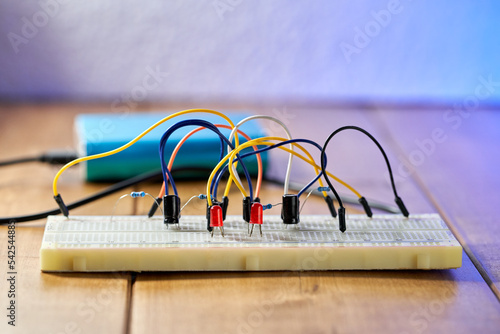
(216, 219)
(256, 214)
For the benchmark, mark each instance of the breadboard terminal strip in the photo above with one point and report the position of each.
(133, 243)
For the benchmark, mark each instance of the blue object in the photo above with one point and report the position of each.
(98, 133)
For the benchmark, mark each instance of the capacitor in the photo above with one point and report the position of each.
(290, 209)
(171, 209)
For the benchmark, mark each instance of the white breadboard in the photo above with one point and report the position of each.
(136, 243)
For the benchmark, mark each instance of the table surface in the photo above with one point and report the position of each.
(445, 163)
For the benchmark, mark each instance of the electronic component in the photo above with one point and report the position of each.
(134, 243)
(216, 219)
(256, 217)
(290, 209)
(209, 214)
(247, 207)
(171, 209)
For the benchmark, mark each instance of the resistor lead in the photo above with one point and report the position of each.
(139, 194)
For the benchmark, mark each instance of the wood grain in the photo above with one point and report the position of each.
(458, 171)
(59, 303)
(51, 303)
(315, 302)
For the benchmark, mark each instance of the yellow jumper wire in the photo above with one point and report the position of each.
(311, 161)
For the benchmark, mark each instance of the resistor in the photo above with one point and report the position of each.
(323, 188)
(267, 207)
(136, 194)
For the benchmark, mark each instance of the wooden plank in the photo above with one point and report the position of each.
(59, 303)
(315, 302)
(455, 159)
(50, 303)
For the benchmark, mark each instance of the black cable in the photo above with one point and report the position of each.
(341, 210)
(18, 161)
(150, 176)
(398, 199)
(54, 157)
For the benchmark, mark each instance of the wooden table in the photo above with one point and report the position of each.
(452, 170)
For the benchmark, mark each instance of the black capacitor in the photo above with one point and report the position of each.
(290, 209)
(171, 209)
(247, 205)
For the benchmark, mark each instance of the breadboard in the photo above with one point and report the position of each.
(135, 243)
